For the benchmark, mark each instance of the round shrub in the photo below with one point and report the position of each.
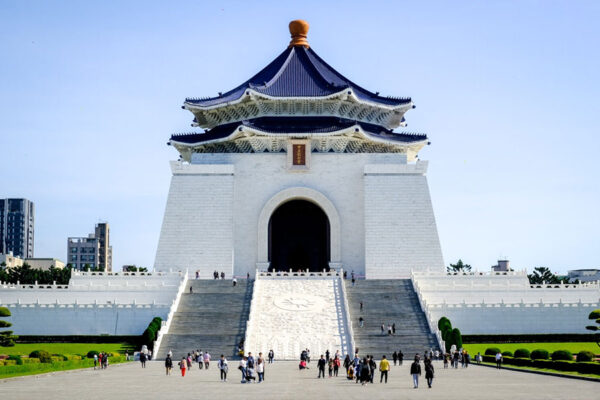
(444, 324)
(540, 354)
(4, 312)
(522, 353)
(562, 355)
(492, 351)
(43, 356)
(16, 358)
(92, 353)
(456, 338)
(583, 356)
(507, 353)
(61, 357)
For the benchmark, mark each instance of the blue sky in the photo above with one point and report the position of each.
(507, 91)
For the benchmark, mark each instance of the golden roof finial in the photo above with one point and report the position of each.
(299, 30)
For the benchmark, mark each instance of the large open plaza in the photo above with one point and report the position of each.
(284, 381)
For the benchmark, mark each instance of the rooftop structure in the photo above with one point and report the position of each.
(299, 95)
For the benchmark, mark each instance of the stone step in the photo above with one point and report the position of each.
(213, 317)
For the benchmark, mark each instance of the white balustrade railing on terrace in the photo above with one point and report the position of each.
(432, 324)
(166, 325)
(347, 314)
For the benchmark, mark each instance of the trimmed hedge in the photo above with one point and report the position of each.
(43, 355)
(492, 351)
(583, 367)
(540, 354)
(92, 353)
(507, 354)
(522, 353)
(149, 335)
(562, 355)
(584, 356)
(4, 312)
(533, 338)
(16, 358)
(31, 360)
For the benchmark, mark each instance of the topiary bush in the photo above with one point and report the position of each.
(584, 356)
(16, 358)
(562, 355)
(507, 354)
(444, 324)
(540, 354)
(456, 338)
(7, 339)
(491, 351)
(4, 312)
(522, 353)
(92, 353)
(61, 357)
(42, 355)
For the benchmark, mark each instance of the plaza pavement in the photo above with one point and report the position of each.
(284, 381)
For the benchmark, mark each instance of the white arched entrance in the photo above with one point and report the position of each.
(299, 193)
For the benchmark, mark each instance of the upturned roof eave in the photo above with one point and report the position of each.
(250, 93)
(241, 129)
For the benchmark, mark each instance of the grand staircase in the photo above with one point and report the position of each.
(387, 302)
(212, 318)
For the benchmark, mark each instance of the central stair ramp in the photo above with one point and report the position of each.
(293, 311)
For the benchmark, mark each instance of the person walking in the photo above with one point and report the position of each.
(361, 306)
(365, 372)
(271, 356)
(95, 360)
(143, 359)
(384, 367)
(347, 363)
(415, 371)
(260, 368)
(429, 372)
(206, 359)
(336, 365)
(250, 368)
(400, 357)
(234, 282)
(395, 357)
(446, 358)
(498, 360)
(361, 322)
(389, 330)
(353, 278)
(168, 365)
(394, 328)
(382, 329)
(242, 367)
(321, 365)
(330, 367)
(183, 366)
(223, 367)
(327, 354)
(373, 366)
(478, 357)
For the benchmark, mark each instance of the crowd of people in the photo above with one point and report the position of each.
(357, 369)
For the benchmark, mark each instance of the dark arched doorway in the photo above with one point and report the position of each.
(299, 237)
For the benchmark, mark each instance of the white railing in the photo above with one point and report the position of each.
(128, 274)
(429, 272)
(432, 324)
(349, 330)
(166, 325)
(297, 274)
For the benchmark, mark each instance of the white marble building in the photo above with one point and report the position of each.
(298, 132)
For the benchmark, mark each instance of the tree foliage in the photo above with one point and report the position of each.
(595, 316)
(28, 276)
(7, 339)
(542, 275)
(133, 268)
(459, 267)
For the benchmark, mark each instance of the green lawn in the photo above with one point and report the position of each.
(573, 347)
(67, 348)
(569, 373)
(12, 371)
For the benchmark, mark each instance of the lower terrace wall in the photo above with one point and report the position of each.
(505, 303)
(91, 304)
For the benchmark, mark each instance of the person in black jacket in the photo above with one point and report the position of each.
(321, 364)
(168, 364)
(415, 371)
(365, 371)
(429, 372)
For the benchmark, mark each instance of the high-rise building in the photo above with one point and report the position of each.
(16, 227)
(93, 251)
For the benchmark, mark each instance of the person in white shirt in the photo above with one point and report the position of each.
(206, 360)
(223, 367)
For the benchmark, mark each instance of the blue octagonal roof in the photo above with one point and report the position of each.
(298, 72)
